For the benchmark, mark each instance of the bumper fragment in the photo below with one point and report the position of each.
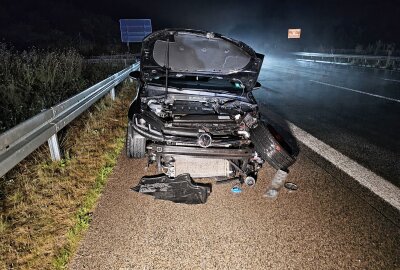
(180, 189)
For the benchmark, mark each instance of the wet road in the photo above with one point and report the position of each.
(354, 110)
(323, 225)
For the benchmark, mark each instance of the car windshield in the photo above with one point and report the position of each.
(200, 82)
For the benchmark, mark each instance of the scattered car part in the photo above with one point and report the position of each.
(291, 186)
(180, 189)
(236, 189)
(276, 184)
(250, 181)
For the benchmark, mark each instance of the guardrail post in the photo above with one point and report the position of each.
(112, 93)
(54, 148)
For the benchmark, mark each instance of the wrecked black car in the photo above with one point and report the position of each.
(195, 116)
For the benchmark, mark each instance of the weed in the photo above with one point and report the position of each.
(31, 81)
(46, 206)
(83, 216)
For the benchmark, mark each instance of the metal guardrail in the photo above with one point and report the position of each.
(118, 59)
(354, 59)
(23, 139)
(116, 56)
(365, 51)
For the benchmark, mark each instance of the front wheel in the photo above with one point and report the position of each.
(273, 147)
(135, 143)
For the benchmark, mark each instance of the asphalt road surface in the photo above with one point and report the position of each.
(323, 225)
(354, 110)
(326, 224)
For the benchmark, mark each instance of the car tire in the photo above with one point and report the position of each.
(135, 143)
(273, 147)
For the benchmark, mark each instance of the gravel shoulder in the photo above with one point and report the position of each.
(323, 225)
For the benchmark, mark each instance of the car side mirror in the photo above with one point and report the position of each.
(135, 75)
(257, 86)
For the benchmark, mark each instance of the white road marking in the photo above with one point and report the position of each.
(324, 62)
(391, 80)
(356, 91)
(378, 185)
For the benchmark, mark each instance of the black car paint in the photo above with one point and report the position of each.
(150, 69)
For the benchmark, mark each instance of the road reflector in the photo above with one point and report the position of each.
(294, 33)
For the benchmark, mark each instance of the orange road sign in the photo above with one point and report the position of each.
(294, 33)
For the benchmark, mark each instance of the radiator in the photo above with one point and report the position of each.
(202, 167)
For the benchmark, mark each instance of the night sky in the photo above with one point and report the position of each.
(330, 24)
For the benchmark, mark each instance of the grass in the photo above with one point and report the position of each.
(46, 206)
(83, 216)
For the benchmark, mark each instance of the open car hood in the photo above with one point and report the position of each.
(198, 53)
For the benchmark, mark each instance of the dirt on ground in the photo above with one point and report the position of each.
(322, 225)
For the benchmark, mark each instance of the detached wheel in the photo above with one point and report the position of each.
(273, 147)
(135, 143)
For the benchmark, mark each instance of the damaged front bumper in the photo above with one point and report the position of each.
(180, 189)
(156, 130)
